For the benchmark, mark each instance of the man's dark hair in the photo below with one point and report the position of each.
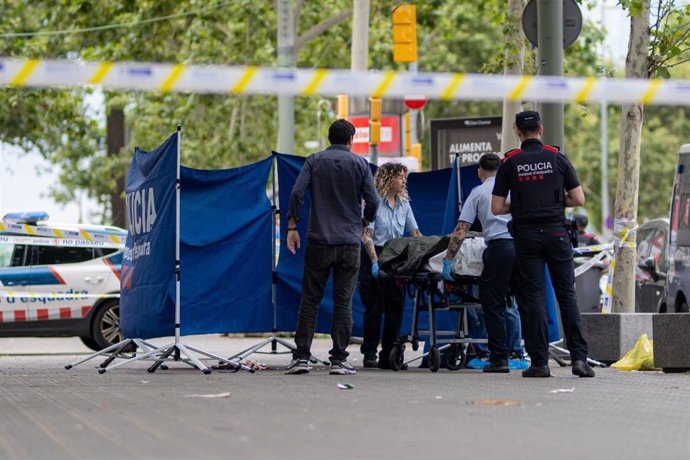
(489, 162)
(340, 132)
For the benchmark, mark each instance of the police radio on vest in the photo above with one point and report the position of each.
(141, 206)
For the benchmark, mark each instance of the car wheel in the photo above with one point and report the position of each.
(683, 307)
(105, 329)
(89, 342)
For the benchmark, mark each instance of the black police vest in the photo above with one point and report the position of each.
(536, 186)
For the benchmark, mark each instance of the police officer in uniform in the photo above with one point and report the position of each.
(542, 182)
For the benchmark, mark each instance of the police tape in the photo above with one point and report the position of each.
(306, 82)
(593, 248)
(78, 234)
(622, 233)
(54, 296)
(67, 242)
(591, 262)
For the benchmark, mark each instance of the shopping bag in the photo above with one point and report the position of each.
(641, 357)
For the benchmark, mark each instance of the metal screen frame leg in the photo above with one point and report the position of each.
(554, 347)
(114, 351)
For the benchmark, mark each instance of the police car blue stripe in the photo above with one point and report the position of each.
(39, 276)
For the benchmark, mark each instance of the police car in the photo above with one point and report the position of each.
(61, 280)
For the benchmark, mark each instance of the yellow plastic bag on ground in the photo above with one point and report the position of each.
(641, 357)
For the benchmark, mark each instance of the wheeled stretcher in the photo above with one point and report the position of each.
(431, 293)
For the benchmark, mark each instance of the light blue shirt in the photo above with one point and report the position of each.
(478, 204)
(392, 222)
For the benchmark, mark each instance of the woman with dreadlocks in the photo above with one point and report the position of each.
(384, 296)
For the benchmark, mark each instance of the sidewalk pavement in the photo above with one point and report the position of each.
(180, 413)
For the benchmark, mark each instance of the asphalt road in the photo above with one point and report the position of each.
(52, 413)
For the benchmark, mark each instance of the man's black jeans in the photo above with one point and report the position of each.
(319, 262)
(551, 245)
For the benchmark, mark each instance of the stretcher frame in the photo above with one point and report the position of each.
(431, 293)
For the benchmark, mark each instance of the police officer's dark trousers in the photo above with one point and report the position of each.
(381, 296)
(319, 261)
(499, 263)
(536, 245)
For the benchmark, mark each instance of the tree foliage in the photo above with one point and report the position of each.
(222, 131)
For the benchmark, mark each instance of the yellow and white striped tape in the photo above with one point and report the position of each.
(622, 236)
(69, 242)
(305, 82)
(71, 237)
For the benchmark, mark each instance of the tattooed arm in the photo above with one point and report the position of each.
(456, 240)
(368, 238)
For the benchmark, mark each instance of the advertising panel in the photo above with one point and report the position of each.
(468, 138)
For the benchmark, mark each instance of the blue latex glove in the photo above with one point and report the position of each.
(375, 269)
(447, 269)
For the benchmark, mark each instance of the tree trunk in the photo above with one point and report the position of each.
(628, 179)
(115, 140)
(514, 56)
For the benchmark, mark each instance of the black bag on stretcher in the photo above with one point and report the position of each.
(409, 255)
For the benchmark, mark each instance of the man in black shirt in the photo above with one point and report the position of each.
(337, 181)
(542, 183)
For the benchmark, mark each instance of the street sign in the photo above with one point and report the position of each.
(415, 102)
(572, 22)
(390, 142)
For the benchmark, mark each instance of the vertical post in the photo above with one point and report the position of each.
(343, 109)
(408, 134)
(286, 59)
(359, 53)
(414, 138)
(605, 211)
(550, 55)
(374, 129)
(177, 243)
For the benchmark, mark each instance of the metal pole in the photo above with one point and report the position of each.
(286, 59)
(177, 243)
(374, 154)
(414, 138)
(550, 55)
(360, 48)
(605, 233)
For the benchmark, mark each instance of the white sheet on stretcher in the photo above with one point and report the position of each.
(468, 261)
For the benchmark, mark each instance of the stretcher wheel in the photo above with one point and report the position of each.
(397, 357)
(434, 359)
(454, 357)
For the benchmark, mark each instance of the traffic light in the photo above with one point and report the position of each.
(374, 121)
(405, 34)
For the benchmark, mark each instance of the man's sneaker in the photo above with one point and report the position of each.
(298, 366)
(342, 368)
